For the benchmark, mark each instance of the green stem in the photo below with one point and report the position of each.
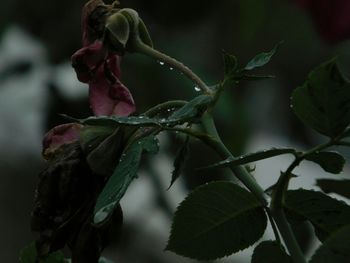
(288, 236)
(273, 224)
(164, 106)
(216, 144)
(240, 172)
(161, 197)
(277, 204)
(149, 51)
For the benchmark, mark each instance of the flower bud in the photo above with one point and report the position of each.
(125, 27)
(60, 135)
(118, 30)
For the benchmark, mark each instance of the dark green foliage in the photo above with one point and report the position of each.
(326, 214)
(233, 73)
(192, 110)
(336, 248)
(252, 157)
(216, 220)
(189, 112)
(231, 64)
(104, 260)
(261, 59)
(340, 187)
(92, 136)
(104, 156)
(270, 252)
(114, 121)
(304, 233)
(123, 175)
(29, 255)
(323, 102)
(331, 162)
(180, 160)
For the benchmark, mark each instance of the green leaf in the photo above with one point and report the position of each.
(340, 187)
(103, 157)
(326, 214)
(216, 220)
(231, 64)
(115, 121)
(193, 109)
(261, 59)
(346, 133)
(323, 102)
(180, 160)
(150, 144)
(270, 252)
(336, 249)
(101, 260)
(105, 260)
(256, 77)
(91, 136)
(29, 255)
(190, 111)
(55, 257)
(331, 162)
(252, 157)
(118, 183)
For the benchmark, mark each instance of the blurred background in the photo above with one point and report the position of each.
(37, 83)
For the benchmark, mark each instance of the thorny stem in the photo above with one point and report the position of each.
(278, 199)
(273, 224)
(212, 139)
(240, 172)
(288, 236)
(149, 51)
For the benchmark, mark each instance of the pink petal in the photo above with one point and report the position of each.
(60, 135)
(87, 59)
(108, 98)
(113, 63)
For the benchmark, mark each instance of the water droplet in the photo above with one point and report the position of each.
(196, 88)
(171, 68)
(161, 63)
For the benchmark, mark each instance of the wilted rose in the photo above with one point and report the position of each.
(98, 66)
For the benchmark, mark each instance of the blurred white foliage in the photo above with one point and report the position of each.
(22, 97)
